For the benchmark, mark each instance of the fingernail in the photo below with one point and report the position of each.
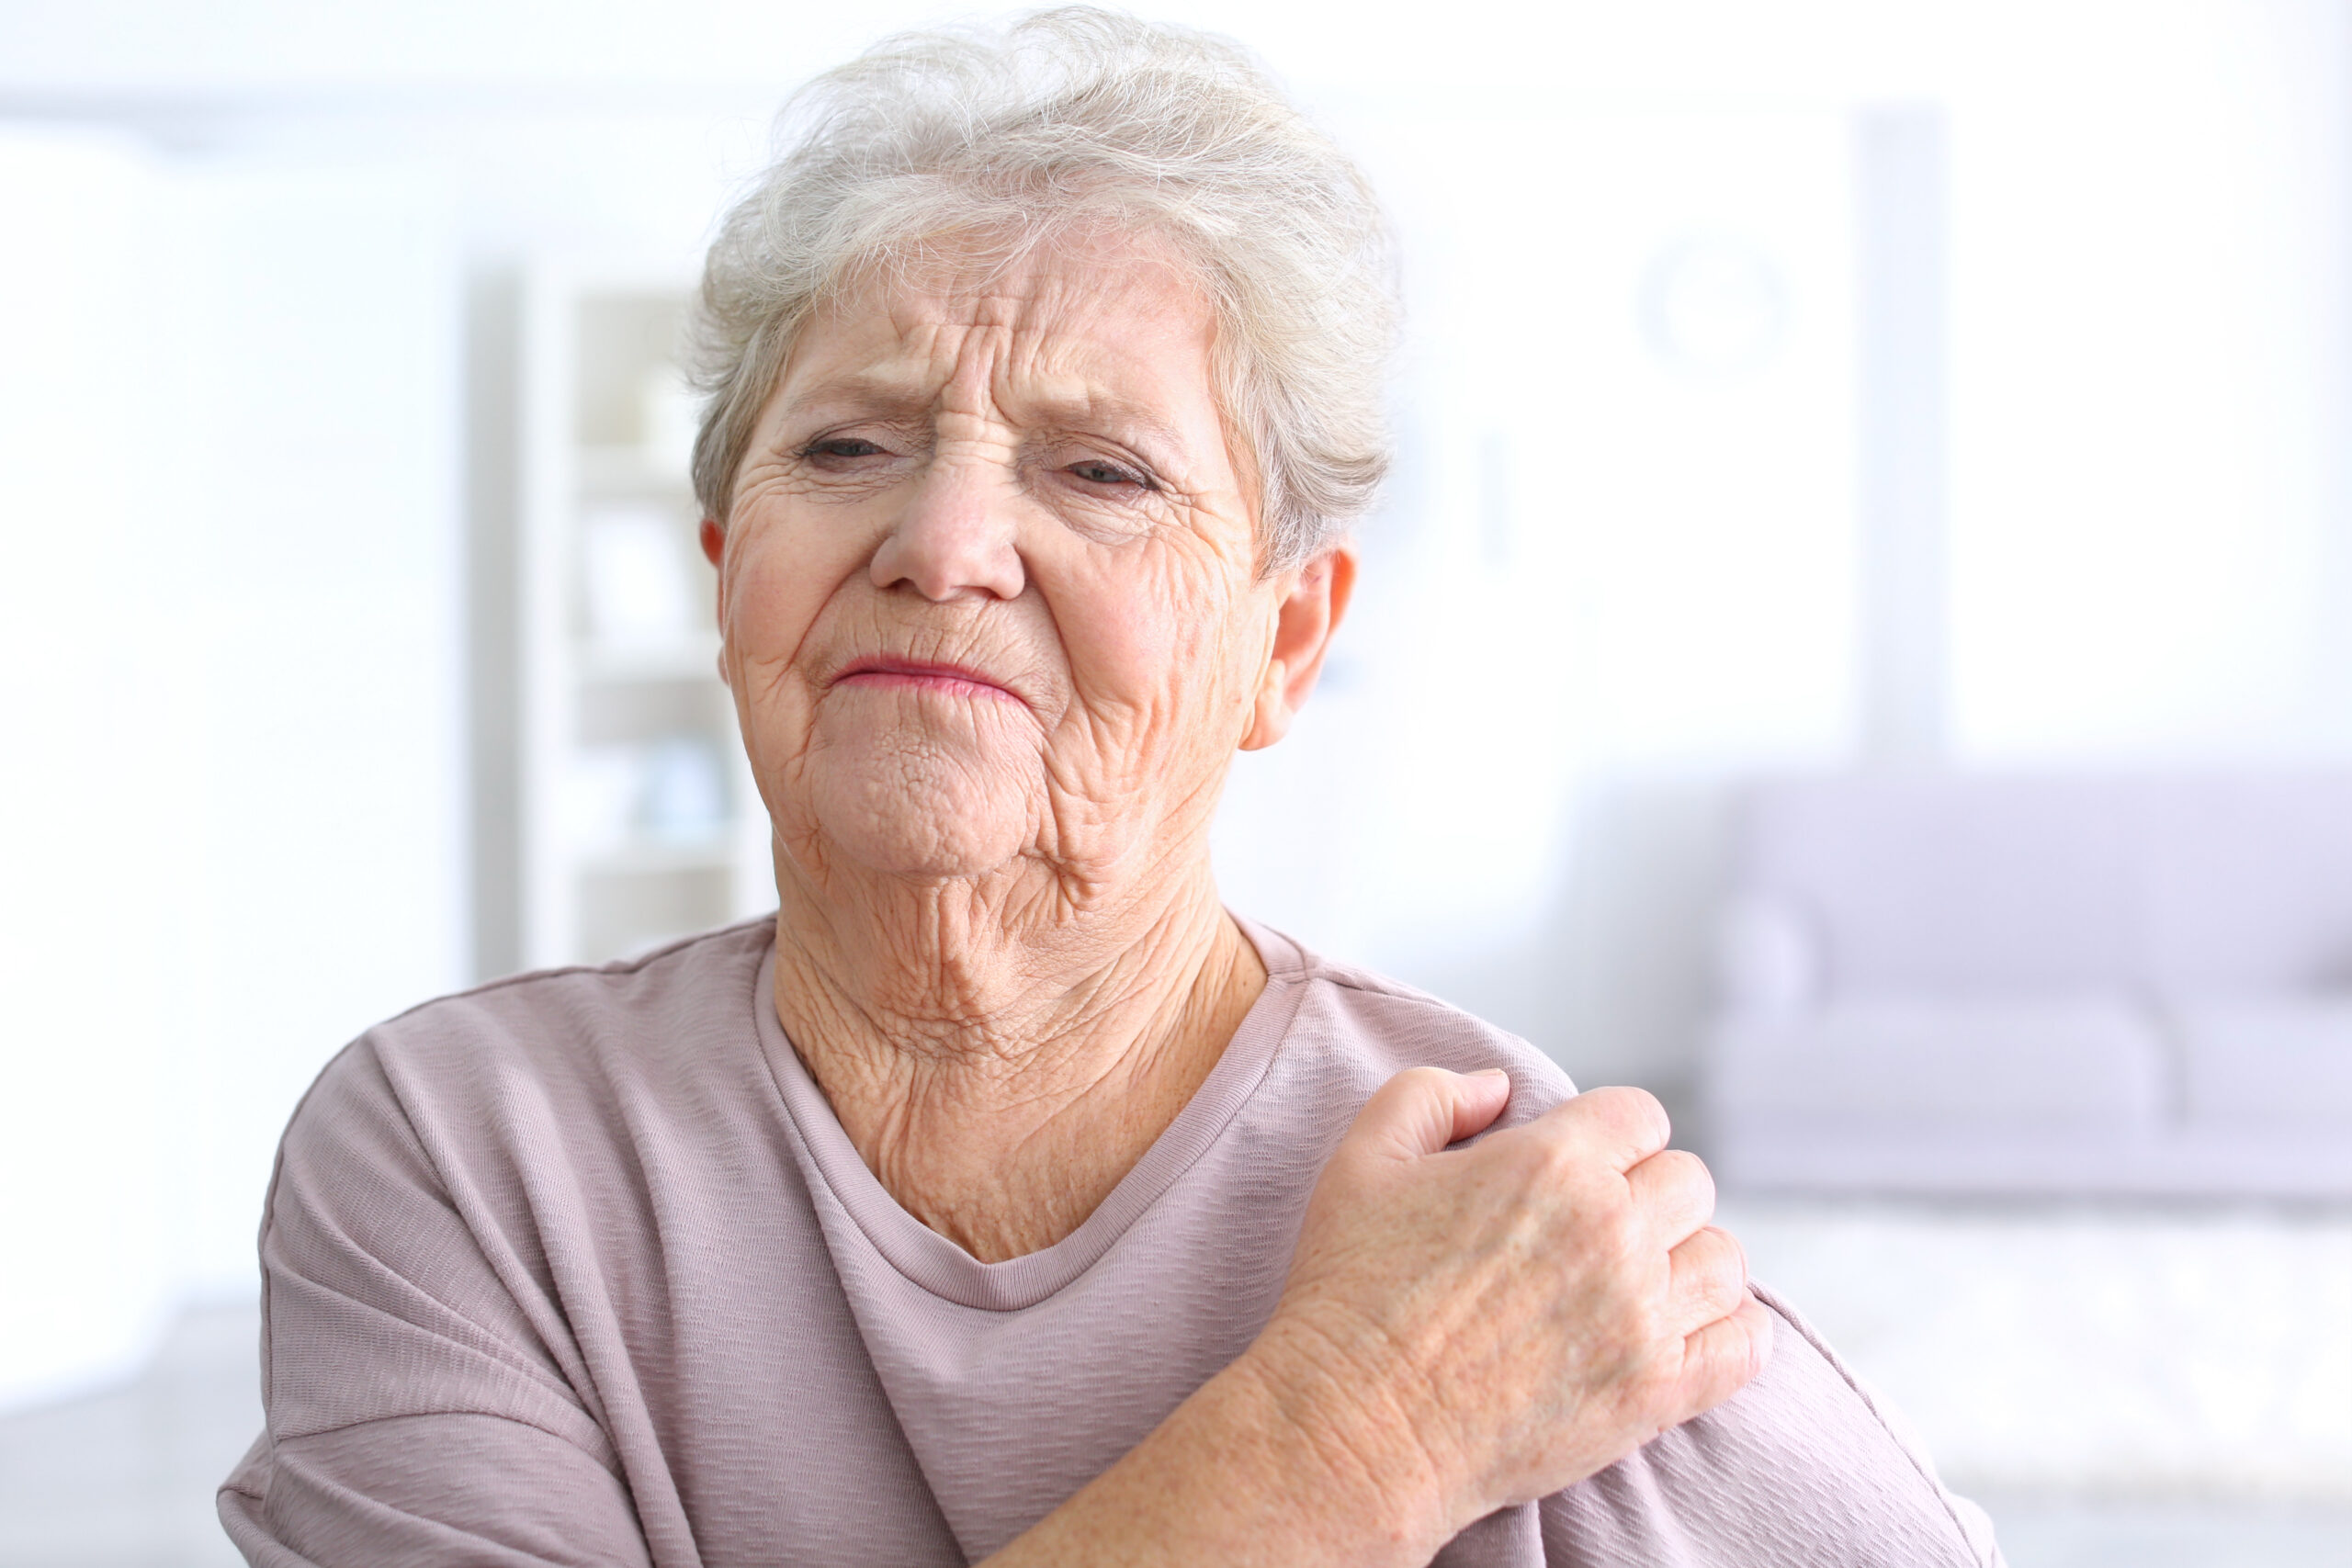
(1490, 1072)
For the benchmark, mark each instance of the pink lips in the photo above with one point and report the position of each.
(917, 674)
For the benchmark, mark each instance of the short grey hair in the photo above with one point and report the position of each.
(1079, 120)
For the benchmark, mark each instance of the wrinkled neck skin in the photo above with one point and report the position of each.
(1001, 1049)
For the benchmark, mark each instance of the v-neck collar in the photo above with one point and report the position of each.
(944, 1268)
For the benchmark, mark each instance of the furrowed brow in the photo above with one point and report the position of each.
(862, 394)
(879, 394)
(1136, 423)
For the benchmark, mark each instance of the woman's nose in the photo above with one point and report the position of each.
(955, 536)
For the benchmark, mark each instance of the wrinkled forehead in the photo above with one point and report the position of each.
(1078, 329)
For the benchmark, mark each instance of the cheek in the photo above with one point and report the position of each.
(1158, 649)
(770, 605)
(780, 582)
(781, 572)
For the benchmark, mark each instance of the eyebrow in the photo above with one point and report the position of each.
(887, 396)
(859, 393)
(1110, 413)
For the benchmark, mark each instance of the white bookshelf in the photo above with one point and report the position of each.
(638, 818)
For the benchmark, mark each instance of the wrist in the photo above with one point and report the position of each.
(1338, 1427)
(1267, 1465)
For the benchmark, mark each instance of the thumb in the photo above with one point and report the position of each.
(1421, 1109)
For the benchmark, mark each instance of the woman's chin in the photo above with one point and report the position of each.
(903, 820)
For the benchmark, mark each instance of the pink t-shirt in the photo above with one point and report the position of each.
(580, 1267)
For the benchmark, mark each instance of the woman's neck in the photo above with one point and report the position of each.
(999, 1057)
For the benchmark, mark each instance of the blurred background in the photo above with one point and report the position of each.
(1859, 642)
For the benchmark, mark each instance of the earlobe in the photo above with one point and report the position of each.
(714, 549)
(1309, 613)
(1270, 718)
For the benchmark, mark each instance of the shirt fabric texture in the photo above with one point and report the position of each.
(580, 1267)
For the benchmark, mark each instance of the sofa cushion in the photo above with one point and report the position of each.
(2249, 884)
(2274, 1062)
(1766, 961)
(1953, 883)
(2090, 1062)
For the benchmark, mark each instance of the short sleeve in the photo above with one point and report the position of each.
(417, 1401)
(1802, 1469)
(450, 1489)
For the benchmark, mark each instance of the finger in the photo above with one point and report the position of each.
(1621, 1125)
(1724, 1357)
(1421, 1109)
(1708, 1280)
(1673, 1193)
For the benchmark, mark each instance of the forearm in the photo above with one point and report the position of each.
(1255, 1468)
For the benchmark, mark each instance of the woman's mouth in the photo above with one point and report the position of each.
(921, 674)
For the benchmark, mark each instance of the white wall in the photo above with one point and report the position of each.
(228, 663)
(89, 1002)
(2152, 387)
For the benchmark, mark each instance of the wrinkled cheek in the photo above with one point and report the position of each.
(774, 599)
(776, 718)
(1163, 693)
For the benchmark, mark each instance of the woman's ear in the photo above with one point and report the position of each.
(714, 549)
(1310, 612)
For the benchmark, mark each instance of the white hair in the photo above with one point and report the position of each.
(1079, 120)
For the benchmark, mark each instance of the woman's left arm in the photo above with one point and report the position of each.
(1803, 1468)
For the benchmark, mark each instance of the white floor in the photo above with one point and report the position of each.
(2041, 1533)
(2121, 1388)
(125, 1479)
(2134, 1353)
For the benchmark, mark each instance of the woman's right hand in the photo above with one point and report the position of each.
(1485, 1325)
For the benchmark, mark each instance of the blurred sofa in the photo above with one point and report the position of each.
(1965, 984)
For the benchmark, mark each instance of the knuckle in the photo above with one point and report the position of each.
(1735, 1256)
(1422, 1084)
(1413, 1082)
(1399, 1097)
(1727, 1290)
(1719, 1268)
(1623, 1115)
(1656, 1388)
(1554, 1160)
(1682, 1175)
(1710, 1246)
(1612, 1229)
(1696, 1173)
(1642, 1110)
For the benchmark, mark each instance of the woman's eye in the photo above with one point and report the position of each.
(842, 447)
(1096, 471)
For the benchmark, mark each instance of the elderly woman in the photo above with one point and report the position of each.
(1004, 1197)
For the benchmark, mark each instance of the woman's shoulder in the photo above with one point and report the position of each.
(463, 1178)
(554, 1041)
(1378, 1026)
(498, 1122)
